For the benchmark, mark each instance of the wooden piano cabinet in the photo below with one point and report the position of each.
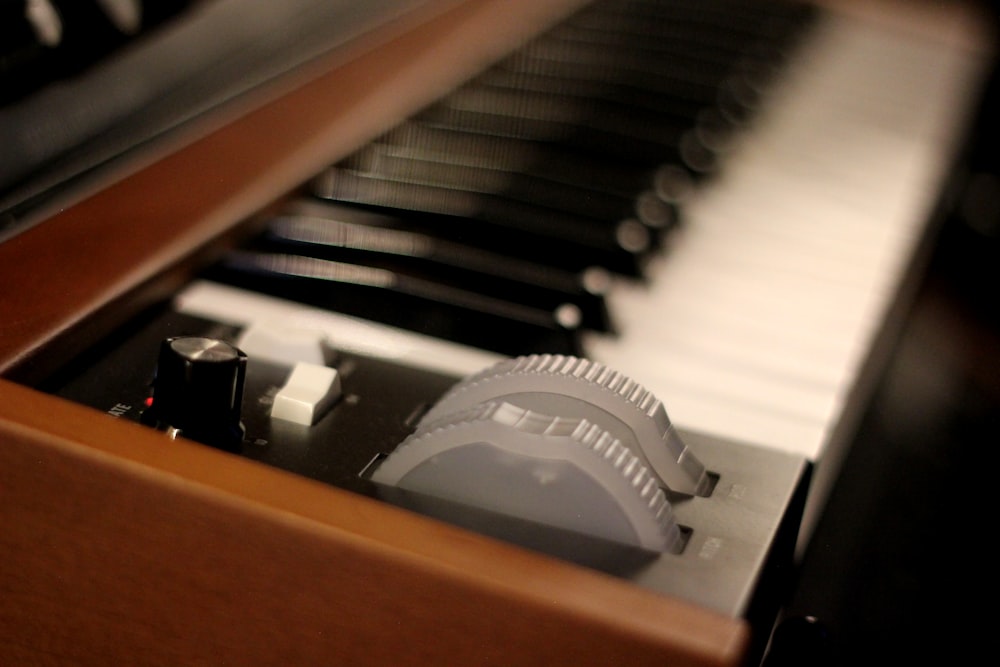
(120, 547)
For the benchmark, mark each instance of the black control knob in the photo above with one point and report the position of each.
(198, 391)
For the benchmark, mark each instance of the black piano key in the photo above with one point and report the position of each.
(560, 255)
(621, 101)
(642, 109)
(546, 161)
(601, 208)
(373, 242)
(605, 130)
(577, 136)
(685, 85)
(709, 53)
(495, 223)
(422, 240)
(608, 56)
(707, 125)
(434, 309)
(689, 100)
(586, 85)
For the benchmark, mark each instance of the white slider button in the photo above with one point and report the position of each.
(310, 391)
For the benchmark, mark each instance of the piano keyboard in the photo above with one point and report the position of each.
(777, 269)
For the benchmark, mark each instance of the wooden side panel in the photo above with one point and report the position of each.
(143, 551)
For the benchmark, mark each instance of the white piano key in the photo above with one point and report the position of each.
(757, 321)
(242, 308)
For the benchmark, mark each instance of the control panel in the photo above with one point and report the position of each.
(555, 453)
